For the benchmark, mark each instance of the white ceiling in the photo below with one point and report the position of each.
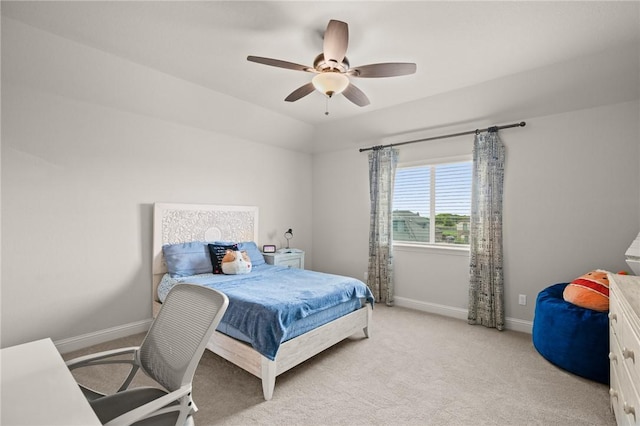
(454, 44)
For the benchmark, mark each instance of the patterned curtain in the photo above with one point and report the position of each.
(382, 171)
(486, 285)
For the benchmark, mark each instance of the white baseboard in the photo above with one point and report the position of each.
(80, 342)
(516, 324)
(432, 308)
(85, 340)
(459, 313)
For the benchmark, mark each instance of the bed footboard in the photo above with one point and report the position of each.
(291, 352)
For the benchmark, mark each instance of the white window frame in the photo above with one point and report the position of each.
(433, 246)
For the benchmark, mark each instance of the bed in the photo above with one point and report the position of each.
(275, 341)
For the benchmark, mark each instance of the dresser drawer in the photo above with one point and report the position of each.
(624, 345)
(624, 400)
(620, 317)
(630, 350)
(614, 316)
(615, 395)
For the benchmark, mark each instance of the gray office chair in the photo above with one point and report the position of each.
(169, 354)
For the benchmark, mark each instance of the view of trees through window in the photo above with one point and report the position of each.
(450, 205)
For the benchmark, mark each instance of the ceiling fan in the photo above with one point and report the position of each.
(332, 68)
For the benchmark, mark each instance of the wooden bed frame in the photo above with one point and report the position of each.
(178, 223)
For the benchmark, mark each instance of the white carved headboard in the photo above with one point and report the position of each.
(182, 223)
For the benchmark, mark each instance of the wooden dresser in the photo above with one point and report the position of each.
(624, 343)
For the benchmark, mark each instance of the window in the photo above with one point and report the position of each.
(439, 191)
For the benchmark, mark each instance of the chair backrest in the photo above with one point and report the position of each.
(177, 338)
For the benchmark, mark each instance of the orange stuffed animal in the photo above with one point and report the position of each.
(589, 291)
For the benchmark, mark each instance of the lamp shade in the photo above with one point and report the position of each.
(288, 235)
(330, 83)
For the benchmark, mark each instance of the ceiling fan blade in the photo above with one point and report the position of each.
(336, 40)
(278, 63)
(391, 69)
(356, 95)
(300, 92)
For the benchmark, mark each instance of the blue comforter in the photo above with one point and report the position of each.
(265, 302)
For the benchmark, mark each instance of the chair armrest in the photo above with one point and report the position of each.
(102, 358)
(152, 407)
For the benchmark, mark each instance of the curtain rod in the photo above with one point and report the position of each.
(488, 129)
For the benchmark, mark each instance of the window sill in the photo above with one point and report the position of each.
(432, 248)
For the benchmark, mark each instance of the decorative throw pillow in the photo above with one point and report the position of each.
(589, 291)
(217, 252)
(236, 262)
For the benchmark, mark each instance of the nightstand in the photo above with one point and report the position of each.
(292, 260)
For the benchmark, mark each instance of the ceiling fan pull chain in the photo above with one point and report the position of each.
(326, 109)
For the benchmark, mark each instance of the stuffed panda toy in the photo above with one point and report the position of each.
(236, 262)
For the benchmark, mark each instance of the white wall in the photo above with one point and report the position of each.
(574, 206)
(80, 175)
(571, 205)
(90, 141)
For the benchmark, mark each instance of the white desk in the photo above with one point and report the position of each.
(38, 388)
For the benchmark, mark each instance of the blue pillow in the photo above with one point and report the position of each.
(187, 259)
(252, 251)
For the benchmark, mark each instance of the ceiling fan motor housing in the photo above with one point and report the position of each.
(322, 65)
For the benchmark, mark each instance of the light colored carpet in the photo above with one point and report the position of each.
(416, 369)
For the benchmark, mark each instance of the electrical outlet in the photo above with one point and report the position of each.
(366, 276)
(522, 299)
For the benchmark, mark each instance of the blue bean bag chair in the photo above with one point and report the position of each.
(573, 338)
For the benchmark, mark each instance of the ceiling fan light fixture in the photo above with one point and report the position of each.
(330, 83)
